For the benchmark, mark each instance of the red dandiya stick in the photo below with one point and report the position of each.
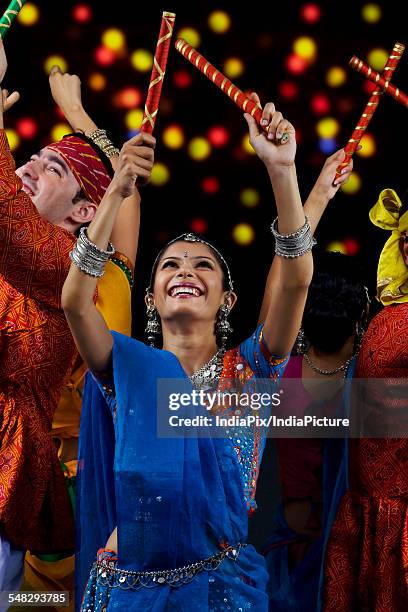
(158, 72)
(241, 100)
(370, 109)
(379, 80)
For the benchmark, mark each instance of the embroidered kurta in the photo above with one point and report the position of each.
(37, 353)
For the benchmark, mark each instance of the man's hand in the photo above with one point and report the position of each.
(267, 144)
(3, 61)
(65, 90)
(327, 185)
(9, 100)
(135, 163)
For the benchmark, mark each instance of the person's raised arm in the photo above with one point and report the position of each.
(66, 92)
(89, 330)
(288, 296)
(322, 192)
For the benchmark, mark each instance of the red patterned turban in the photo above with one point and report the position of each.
(86, 164)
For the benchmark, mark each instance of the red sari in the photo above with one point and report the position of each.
(367, 555)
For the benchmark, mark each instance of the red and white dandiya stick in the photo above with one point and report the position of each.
(379, 80)
(370, 109)
(158, 72)
(245, 104)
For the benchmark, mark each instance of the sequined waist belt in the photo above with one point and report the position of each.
(107, 574)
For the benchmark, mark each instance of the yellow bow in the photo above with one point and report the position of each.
(392, 272)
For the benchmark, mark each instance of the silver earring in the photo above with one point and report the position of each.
(302, 343)
(153, 327)
(222, 326)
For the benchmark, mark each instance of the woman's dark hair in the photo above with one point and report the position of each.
(337, 302)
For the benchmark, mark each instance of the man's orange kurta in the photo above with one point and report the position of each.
(37, 354)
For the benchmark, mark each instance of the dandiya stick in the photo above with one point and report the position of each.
(370, 109)
(379, 80)
(10, 15)
(158, 72)
(222, 82)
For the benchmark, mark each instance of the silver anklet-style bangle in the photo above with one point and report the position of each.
(296, 244)
(88, 257)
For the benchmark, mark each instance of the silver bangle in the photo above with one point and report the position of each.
(100, 139)
(293, 245)
(88, 257)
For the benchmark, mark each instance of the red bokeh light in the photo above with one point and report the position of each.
(182, 79)
(59, 112)
(320, 104)
(295, 64)
(310, 12)
(210, 185)
(369, 87)
(218, 136)
(104, 56)
(82, 13)
(288, 89)
(199, 226)
(26, 127)
(130, 97)
(352, 246)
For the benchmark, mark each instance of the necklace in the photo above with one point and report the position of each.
(209, 372)
(339, 368)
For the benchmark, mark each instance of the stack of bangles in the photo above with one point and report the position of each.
(101, 140)
(293, 245)
(88, 257)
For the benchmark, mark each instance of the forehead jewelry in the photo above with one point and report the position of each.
(185, 254)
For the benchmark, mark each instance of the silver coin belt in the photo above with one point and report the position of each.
(107, 574)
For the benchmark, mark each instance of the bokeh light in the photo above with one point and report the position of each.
(104, 56)
(249, 197)
(243, 234)
(199, 225)
(113, 39)
(246, 145)
(210, 185)
(129, 97)
(59, 131)
(306, 48)
(288, 90)
(134, 118)
(191, 36)
(173, 136)
(82, 13)
(310, 12)
(352, 246)
(327, 127)
(29, 14)
(97, 81)
(27, 127)
(233, 67)
(320, 104)
(371, 12)
(377, 58)
(295, 64)
(218, 136)
(160, 174)
(182, 79)
(336, 246)
(336, 76)
(368, 146)
(55, 60)
(13, 138)
(142, 60)
(352, 185)
(327, 145)
(219, 22)
(199, 148)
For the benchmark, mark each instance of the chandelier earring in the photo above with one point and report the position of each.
(223, 328)
(153, 327)
(302, 343)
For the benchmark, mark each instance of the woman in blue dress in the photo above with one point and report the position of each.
(171, 513)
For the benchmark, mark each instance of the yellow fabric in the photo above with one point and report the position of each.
(50, 576)
(392, 272)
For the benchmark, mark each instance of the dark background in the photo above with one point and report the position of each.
(261, 35)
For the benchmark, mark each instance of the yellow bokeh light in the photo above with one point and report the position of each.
(219, 22)
(336, 76)
(199, 148)
(13, 138)
(173, 137)
(142, 60)
(113, 39)
(243, 234)
(160, 174)
(305, 47)
(336, 247)
(352, 185)
(97, 81)
(249, 197)
(327, 127)
(55, 60)
(29, 14)
(371, 12)
(377, 58)
(233, 67)
(368, 144)
(246, 145)
(191, 36)
(59, 131)
(134, 119)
